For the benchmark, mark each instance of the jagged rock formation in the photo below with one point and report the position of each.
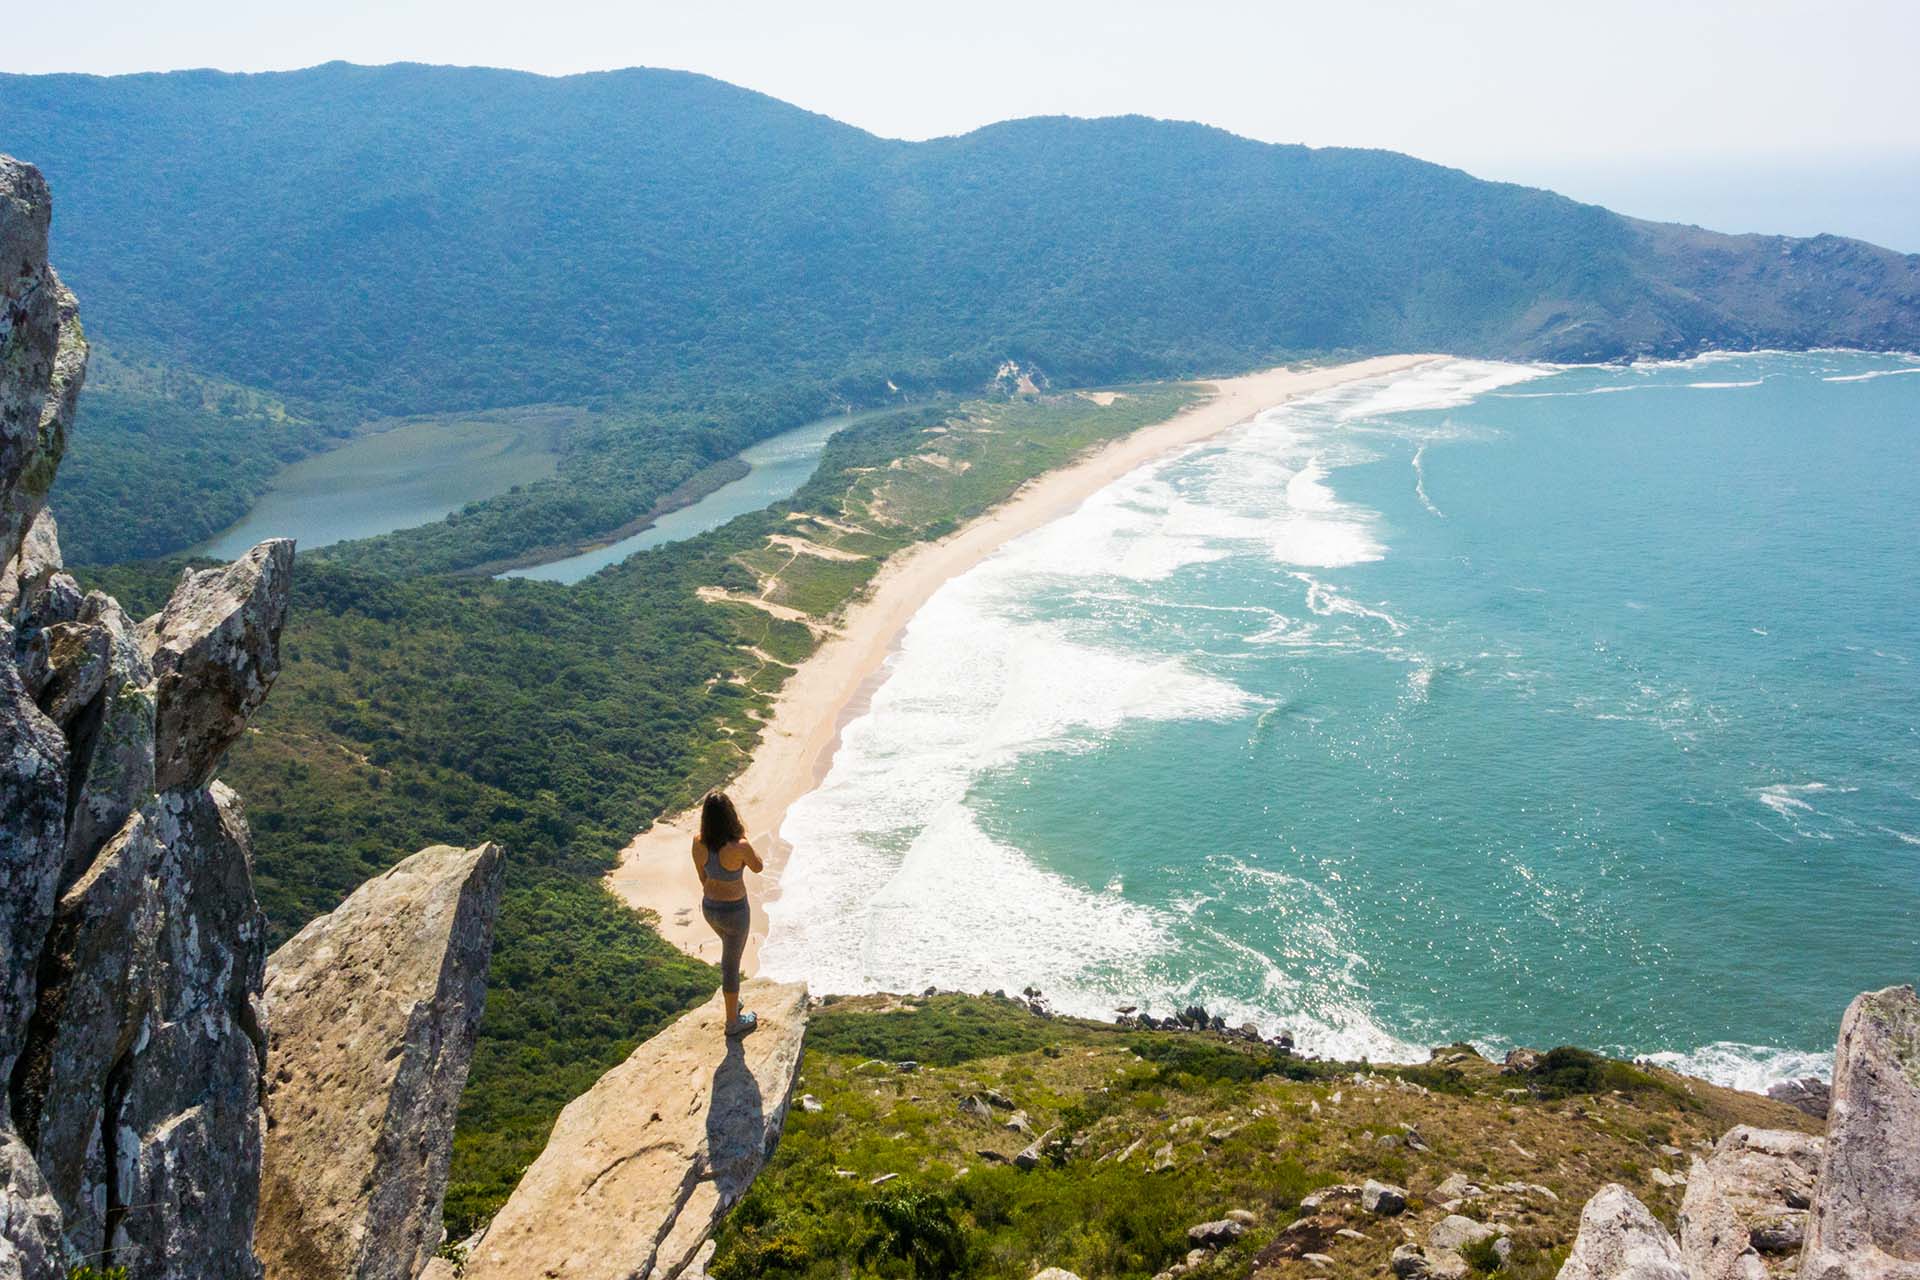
(133, 948)
(1810, 1094)
(372, 1012)
(641, 1166)
(1745, 1212)
(1865, 1223)
(1620, 1240)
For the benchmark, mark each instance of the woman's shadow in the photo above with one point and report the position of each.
(737, 1136)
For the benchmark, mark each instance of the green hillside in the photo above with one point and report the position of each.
(559, 721)
(371, 241)
(414, 238)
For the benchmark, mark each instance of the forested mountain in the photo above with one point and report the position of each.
(412, 238)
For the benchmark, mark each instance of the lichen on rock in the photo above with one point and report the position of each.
(373, 1012)
(1865, 1223)
(641, 1166)
(132, 944)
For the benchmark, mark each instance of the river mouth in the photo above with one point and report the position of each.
(407, 475)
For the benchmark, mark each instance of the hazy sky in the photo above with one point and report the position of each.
(1739, 114)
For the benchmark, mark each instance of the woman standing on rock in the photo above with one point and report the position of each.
(720, 854)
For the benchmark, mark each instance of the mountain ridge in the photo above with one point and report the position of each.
(356, 234)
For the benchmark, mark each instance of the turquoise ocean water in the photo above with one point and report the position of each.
(1520, 704)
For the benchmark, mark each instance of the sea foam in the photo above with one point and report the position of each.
(1751, 1067)
(894, 884)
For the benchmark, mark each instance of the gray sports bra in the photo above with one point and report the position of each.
(717, 870)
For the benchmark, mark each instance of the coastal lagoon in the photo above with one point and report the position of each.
(777, 467)
(1512, 703)
(407, 475)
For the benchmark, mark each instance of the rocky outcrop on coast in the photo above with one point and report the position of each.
(1744, 1215)
(134, 948)
(1865, 1223)
(134, 979)
(1768, 1203)
(641, 1166)
(372, 1013)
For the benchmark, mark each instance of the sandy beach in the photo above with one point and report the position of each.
(833, 686)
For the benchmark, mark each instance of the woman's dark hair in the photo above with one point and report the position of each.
(720, 823)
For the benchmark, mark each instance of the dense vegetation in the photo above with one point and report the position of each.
(161, 459)
(559, 721)
(1140, 1135)
(615, 468)
(414, 239)
(410, 239)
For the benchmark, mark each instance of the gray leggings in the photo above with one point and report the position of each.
(731, 920)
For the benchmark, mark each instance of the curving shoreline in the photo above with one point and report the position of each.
(834, 685)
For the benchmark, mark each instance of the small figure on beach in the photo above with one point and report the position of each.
(720, 855)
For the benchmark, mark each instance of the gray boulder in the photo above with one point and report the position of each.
(186, 1132)
(1810, 1094)
(118, 773)
(215, 651)
(33, 804)
(641, 1166)
(1747, 1194)
(42, 353)
(1620, 1240)
(29, 1218)
(373, 1012)
(65, 667)
(1409, 1262)
(131, 947)
(1520, 1061)
(95, 976)
(1383, 1198)
(1215, 1235)
(1456, 1231)
(24, 583)
(1865, 1223)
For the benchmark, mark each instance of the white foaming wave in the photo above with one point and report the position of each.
(1420, 682)
(1323, 1006)
(970, 690)
(1751, 1067)
(1324, 544)
(963, 911)
(1869, 376)
(1710, 358)
(1139, 529)
(1144, 527)
(887, 844)
(1438, 386)
(1590, 391)
(1714, 386)
(1327, 602)
(1420, 480)
(1788, 799)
